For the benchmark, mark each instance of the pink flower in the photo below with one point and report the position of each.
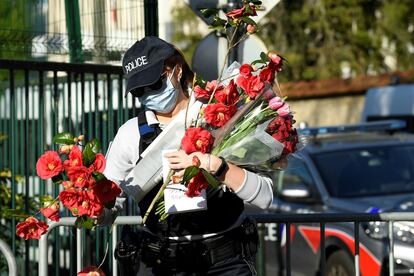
(275, 103)
(49, 165)
(284, 110)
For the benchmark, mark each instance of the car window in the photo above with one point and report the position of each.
(296, 173)
(367, 171)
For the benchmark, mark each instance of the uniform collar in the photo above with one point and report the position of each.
(151, 118)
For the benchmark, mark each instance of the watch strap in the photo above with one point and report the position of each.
(222, 168)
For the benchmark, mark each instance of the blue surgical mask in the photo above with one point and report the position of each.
(162, 100)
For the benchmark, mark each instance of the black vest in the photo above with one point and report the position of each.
(223, 206)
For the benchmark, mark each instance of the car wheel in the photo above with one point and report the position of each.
(340, 264)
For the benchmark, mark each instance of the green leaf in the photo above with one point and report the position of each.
(13, 213)
(189, 173)
(256, 61)
(90, 151)
(45, 198)
(218, 22)
(200, 81)
(264, 57)
(84, 222)
(98, 176)
(248, 20)
(212, 181)
(209, 12)
(64, 138)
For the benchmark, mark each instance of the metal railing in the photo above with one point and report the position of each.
(322, 219)
(11, 260)
(286, 219)
(43, 243)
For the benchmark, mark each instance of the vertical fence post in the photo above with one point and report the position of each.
(391, 245)
(74, 31)
(11, 261)
(356, 232)
(151, 17)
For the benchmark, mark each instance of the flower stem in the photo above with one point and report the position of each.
(161, 190)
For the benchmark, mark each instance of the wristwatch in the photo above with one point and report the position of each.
(222, 168)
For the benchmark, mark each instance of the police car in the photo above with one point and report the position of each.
(355, 168)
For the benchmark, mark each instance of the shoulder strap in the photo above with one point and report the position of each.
(147, 133)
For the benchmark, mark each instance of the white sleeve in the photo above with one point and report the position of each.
(256, 189)
(123, 152)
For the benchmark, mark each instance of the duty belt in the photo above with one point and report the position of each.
(199, 254)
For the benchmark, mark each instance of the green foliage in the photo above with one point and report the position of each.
(7, 213)
(89, 153)
(186, 30)
(64, 138)
(318, 37)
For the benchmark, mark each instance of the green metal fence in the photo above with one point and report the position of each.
(38, 101)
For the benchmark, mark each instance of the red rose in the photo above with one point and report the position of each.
(204, 94)
(99, 163)
(237, 13)
(49, 165)
(80, 176)
(211, 85)
(228, 95)
(201, 94)
(266, 74)
(218, 114)
(91, 271)
(75, 158)
(70, 198)
(246, 70)
(290, 142)
(106, 190)
(31, 228)
(51, 212)
(254, 87)
(281, 130)
(196, 184)
(89, 205)
(197, 139)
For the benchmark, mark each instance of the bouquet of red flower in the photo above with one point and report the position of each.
(243, 119)
(85, 190)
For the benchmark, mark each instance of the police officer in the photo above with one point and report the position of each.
(215, 241)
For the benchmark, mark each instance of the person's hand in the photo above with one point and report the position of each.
(179, 160)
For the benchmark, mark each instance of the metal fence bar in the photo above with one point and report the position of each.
(333, 217)
(70, 221)
(356, 256)
(391, 245)
(288, 260)
(322, 246)
(11, 261)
